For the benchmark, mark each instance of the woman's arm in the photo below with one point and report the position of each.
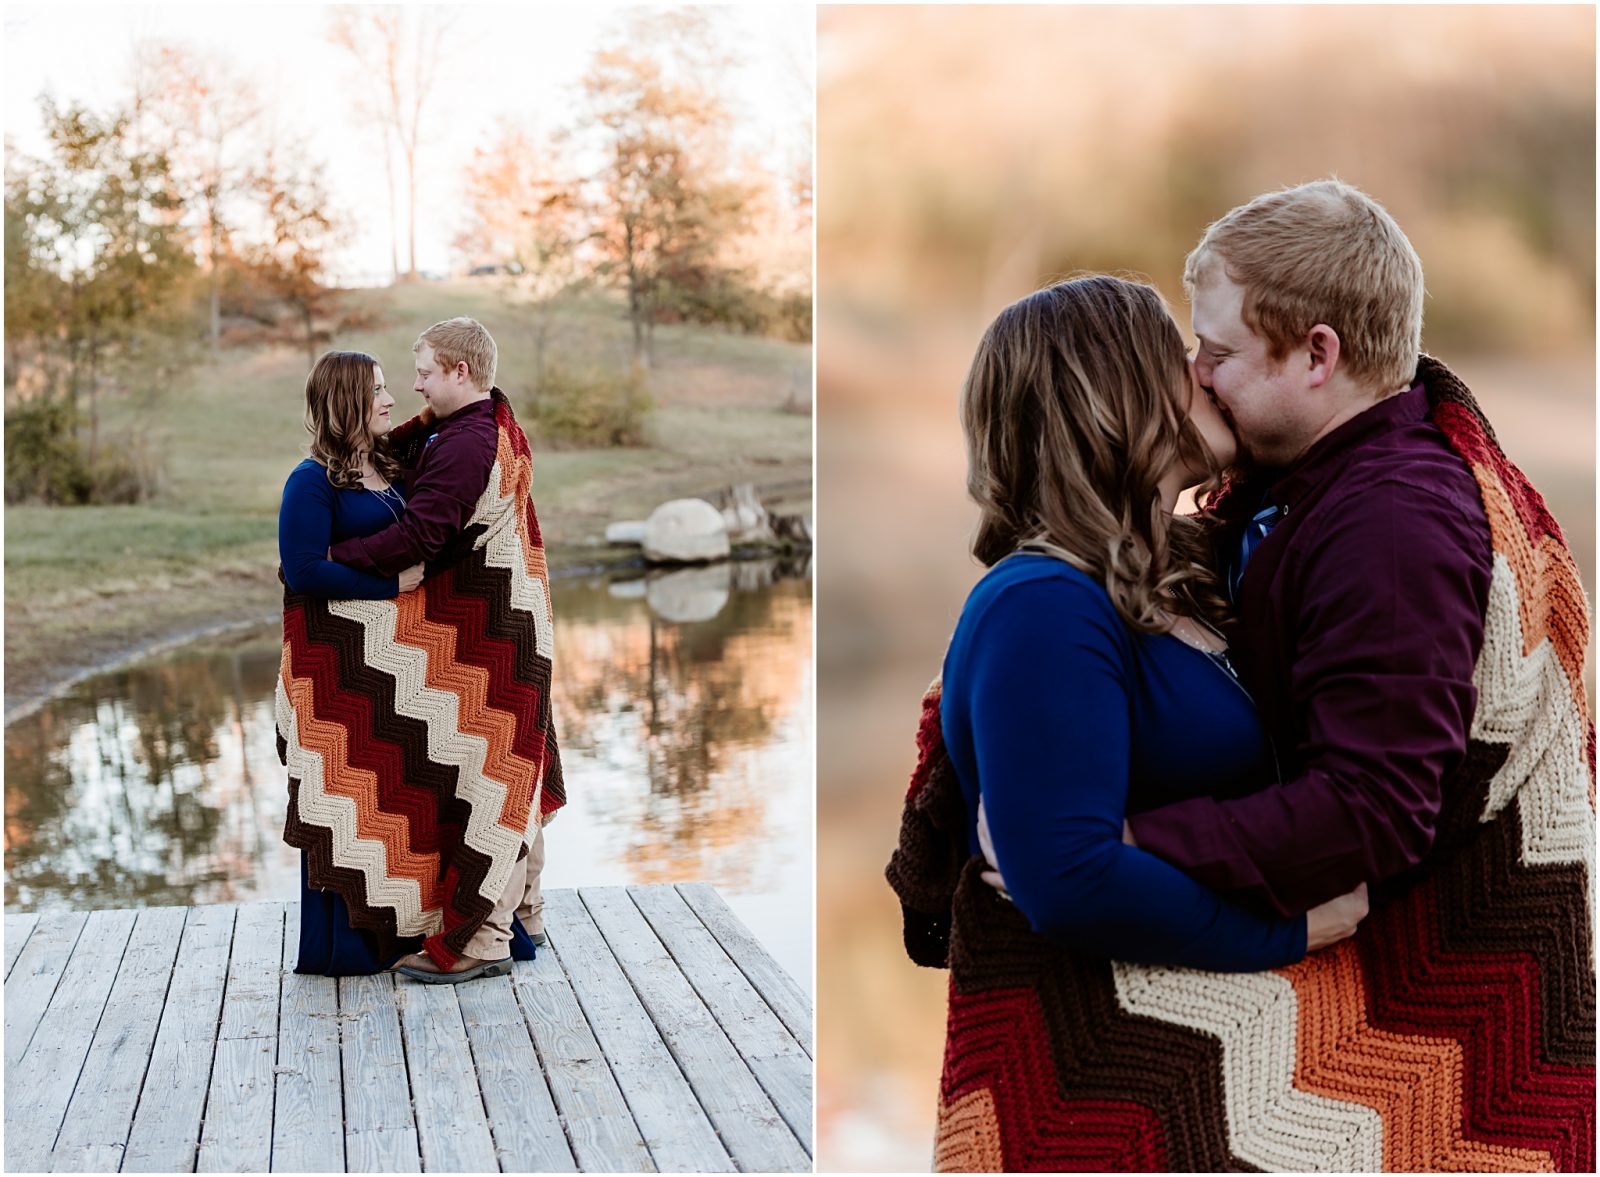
(305, 529)
(1047, 688)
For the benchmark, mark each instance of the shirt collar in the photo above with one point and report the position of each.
(476, 408)
(1329, 452)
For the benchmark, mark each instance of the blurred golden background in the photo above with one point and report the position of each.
(965, 157)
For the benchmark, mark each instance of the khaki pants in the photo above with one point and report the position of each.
(522, 897)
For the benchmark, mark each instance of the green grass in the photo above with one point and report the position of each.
(204, 549)
(55, 555)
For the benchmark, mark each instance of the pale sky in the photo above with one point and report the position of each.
(522, 60)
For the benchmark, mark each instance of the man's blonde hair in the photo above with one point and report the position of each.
(1323, 252)
(460, 339)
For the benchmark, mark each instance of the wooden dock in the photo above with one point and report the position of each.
(653, 1034)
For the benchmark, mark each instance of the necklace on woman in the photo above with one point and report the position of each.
(391, 498)
(387, 494)
(1200, 636)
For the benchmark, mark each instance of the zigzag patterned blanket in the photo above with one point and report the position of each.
(417, 731)
(1455, 1031)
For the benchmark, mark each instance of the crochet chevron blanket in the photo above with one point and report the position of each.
(1455, 1031)
(417, 731)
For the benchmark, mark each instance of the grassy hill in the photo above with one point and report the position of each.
(85, 585)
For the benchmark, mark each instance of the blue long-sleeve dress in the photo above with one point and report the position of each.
(315, 515)
(1064, 720)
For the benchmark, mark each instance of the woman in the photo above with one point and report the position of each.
(1087, 678)
(349, 486)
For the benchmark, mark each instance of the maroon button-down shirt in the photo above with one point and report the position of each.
(443, 487)
(1361, 622)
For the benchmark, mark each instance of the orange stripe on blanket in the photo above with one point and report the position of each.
(1548, 586)
(470, 686)
(969, 1136)
(340, 778)
(516, 473)
(1413, 1083)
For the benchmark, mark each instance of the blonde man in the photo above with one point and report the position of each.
(455, 372)
(1358, 552)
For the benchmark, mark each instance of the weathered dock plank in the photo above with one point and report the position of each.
(54, 1058)
(779, 1063)
(380, 1133)
(94, 1132)
(166, 1127)
(382, 1150)
(527, 1131)
(777, 988)
(32, 983)
(602, 1131)
(18, 928)
(170, 1040)
(744, 1117)
(675, 1128)
(308, 1108)
(451, 1125)
(238, 1123)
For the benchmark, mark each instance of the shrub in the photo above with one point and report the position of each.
(729, 303)
(794, 317)
(48, 462)
(592, 407)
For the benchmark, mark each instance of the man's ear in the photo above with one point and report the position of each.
(1322, 354)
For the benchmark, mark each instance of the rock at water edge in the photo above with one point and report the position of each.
(686, 531)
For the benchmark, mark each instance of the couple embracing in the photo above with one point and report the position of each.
(1260, 837)
(413, 702)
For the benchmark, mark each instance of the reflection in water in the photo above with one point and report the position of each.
(688, 707)
(687, 750)
(140, 788)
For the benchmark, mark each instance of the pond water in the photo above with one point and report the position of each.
(684, 703)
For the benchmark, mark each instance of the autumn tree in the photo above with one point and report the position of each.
(399, 52)
(524, 214)
(665, 203)
(95, 261)
(194, 110)
(290, 260)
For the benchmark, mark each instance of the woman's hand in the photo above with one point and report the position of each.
(411, 578)
(1336, 919)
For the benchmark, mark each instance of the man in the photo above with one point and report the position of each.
(469, 658)
(1363, 577)
(1412, 630)
(1411, 627)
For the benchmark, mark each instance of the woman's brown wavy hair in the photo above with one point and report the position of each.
(338, 408)
(1074, 410)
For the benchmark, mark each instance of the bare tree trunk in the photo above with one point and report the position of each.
(216, 311)
(94, 408)
(635, 292)
(394, 222)
(216, 281)
(411, 210)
